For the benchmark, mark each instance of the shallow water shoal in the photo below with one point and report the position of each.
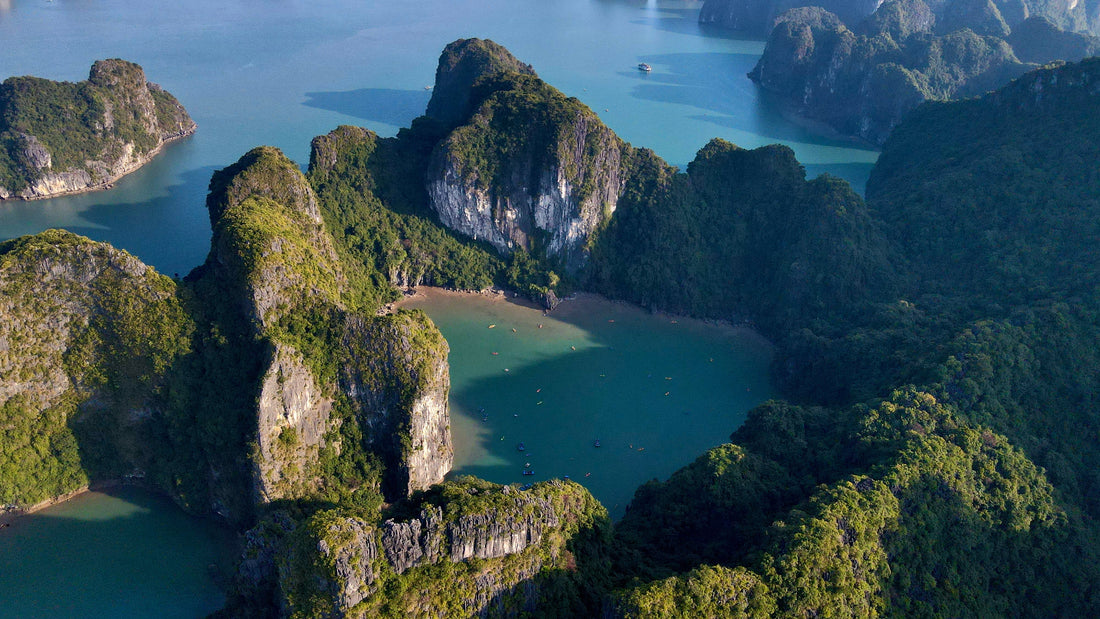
(655, 391)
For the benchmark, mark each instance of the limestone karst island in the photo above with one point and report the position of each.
(59, 138)
(735, 308)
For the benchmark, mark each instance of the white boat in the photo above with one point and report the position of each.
(644, 67)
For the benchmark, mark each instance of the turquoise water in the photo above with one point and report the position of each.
(121, 554)
(653, 390)
(280, 73)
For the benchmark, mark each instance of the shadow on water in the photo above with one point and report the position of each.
(387, 105)
(712, 82)
(654, 401)
(686, 21)
(716, 83)
(170, 231)
(157, 213)
(120, 553)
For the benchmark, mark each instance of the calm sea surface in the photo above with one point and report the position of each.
(279, 72)
(121, 554)
(536, 392)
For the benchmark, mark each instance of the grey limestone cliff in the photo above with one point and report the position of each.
(271, 248)
(531, 170)
(58, 137)
(397, 377)
(487, 538)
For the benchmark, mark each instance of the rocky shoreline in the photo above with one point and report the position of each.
(101, 185)
(62, 138)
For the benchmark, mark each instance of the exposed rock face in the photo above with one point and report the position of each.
(462, 64)
(397, 376)
(353, 561)
(103, 129)
(861, 80)
(759, 16)
(293, 414)
(862, 84)
(271, 246)
(249, 382)
(513, 534)
(488, 535)
(414, 542)
(531, 170)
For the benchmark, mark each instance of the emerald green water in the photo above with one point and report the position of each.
(655, 391)
(120, 554)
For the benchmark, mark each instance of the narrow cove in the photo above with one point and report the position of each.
(119, 553)
(655, 391)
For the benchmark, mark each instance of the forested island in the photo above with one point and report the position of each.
(60, 138)
(859, 67)
(935, 455)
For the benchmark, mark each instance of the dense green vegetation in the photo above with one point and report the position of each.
(520, 128)
(928, 516)
(717, 238)
(48, 126)
(938, 343)
(862, 78)
(118, 336)
(461, 64)
(371, 193)
(975, 495)
(967, 274)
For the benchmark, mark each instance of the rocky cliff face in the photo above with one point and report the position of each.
(59, 138)
(531, 170)
(487, 538)
(293, 414)
(397, 377)
(760, 16)
(862, 79)
(255, 378)
(270, 246)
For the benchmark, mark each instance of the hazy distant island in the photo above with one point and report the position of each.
(861, 77)
(60, 138)
(758, 17)
(936, 455)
